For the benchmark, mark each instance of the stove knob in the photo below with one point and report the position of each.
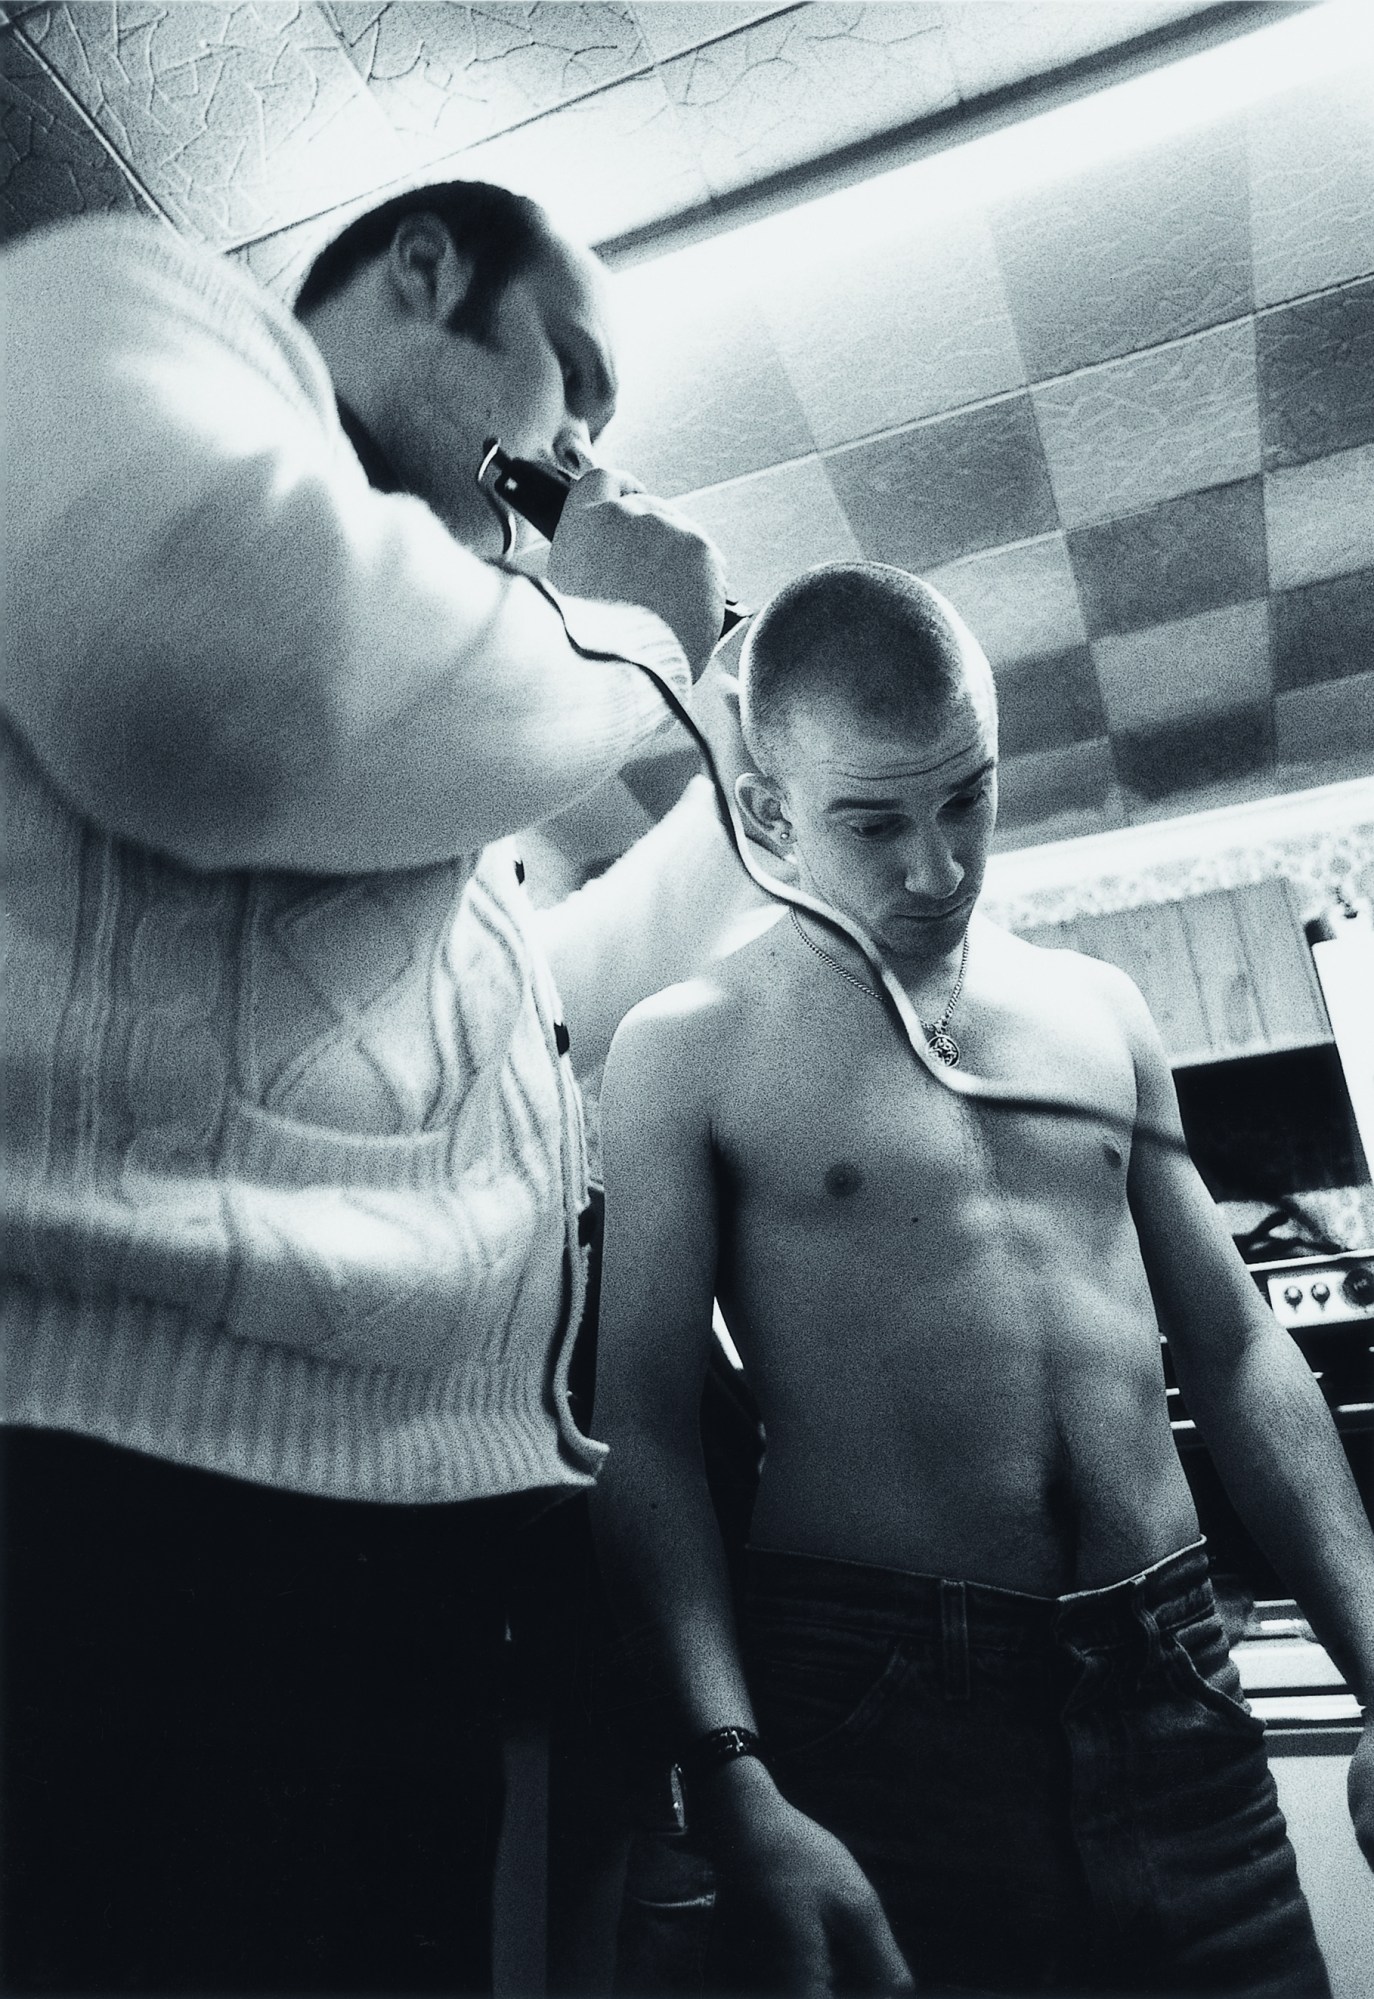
(1292, 1296)
(1321, 1292)
(1358, 1288)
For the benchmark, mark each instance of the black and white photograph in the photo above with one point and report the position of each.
(687, 999)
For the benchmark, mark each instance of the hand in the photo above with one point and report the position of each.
(794, 1911)
(616, 541)
(1360, 1790)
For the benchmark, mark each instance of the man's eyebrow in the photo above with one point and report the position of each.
(895, 804)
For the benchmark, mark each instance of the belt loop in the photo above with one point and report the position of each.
(954, 1641)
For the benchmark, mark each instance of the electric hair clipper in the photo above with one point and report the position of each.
(536, 493)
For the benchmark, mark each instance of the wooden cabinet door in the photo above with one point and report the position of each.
(1224, 974)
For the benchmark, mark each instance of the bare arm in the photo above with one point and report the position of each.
(793, 1907)
(1253, 1398)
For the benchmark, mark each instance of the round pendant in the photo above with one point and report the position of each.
(946, 1047)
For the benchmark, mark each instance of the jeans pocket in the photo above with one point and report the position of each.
(1205, 1671)
(817, 1685)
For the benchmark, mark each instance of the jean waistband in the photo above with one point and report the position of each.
(1175, 1590)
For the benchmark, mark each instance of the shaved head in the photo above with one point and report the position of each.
(867, 641)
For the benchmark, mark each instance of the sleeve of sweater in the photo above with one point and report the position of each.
(220, 641)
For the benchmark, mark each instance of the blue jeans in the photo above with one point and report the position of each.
(1048, 1794)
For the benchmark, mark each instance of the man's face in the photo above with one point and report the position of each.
(893, 827)
(543, 382)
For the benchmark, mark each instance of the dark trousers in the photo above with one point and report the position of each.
(251, 1739)
(1049, 1795)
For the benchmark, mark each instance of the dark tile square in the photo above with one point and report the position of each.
(1188, 755)
(922, 496)
(1324, 631)
(1044, 704)
(1057, 786)
(1170, 561)
(52, 165)
(1129, 253)
(1316, 375)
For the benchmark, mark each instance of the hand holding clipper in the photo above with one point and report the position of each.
(611, 539)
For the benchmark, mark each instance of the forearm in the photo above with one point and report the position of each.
(1280, 1459)
(659, 1549)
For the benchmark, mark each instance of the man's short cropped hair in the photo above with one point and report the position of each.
(504, 234)
(878, 640)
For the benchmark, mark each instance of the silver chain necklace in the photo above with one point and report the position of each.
(942, 1044)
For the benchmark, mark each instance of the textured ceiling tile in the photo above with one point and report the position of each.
(601, 166)
(1022, 602)
(1152, 426)
(1186, 555)
(670, 27)
(1055, 784)
(1209, 665)
(1195, 757)
(905, 317)
(1312, 186)
(240, 118)
(279, 262)
(990, 46)
(1327, 721)
(800, 84)
(774, 526)
(1045, 704)
(451, 75)
(703, 396)
(924, 496)
(1316, 375)
(1320, 517)
(52, 165)
(1127, 253)
(1324, 631)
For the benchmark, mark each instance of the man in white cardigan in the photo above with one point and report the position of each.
(294, 1181)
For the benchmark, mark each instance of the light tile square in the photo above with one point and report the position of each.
(52, 166)
(241, 119)
(670, 27)
(773, 526)
(991, 46)
(603, 166)
(1151, 426)
(1128, 253)
(448, 76)
(1312, 185)
(1169, 561)
(926, 495)
(703, 395)
(802, 83)
(1020, 602)
(1208, 665)
(1319, 517)
(905, 319)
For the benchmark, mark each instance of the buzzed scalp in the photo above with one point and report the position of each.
(878, 640)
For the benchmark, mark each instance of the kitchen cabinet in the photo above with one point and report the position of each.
(1224, 974)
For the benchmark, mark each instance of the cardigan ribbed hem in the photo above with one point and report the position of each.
(145, 1377)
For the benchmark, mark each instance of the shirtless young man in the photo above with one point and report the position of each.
(978, 1639)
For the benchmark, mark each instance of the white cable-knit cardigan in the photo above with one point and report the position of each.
(292, 1159)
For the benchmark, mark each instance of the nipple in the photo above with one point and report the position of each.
(843, 1179)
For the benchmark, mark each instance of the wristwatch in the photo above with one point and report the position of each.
(701, 1758)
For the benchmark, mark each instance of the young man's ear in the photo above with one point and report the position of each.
(764, 814)
(429, 277)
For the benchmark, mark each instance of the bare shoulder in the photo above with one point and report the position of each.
(1088, 990)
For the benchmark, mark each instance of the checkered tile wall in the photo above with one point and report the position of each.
(1124, 417)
